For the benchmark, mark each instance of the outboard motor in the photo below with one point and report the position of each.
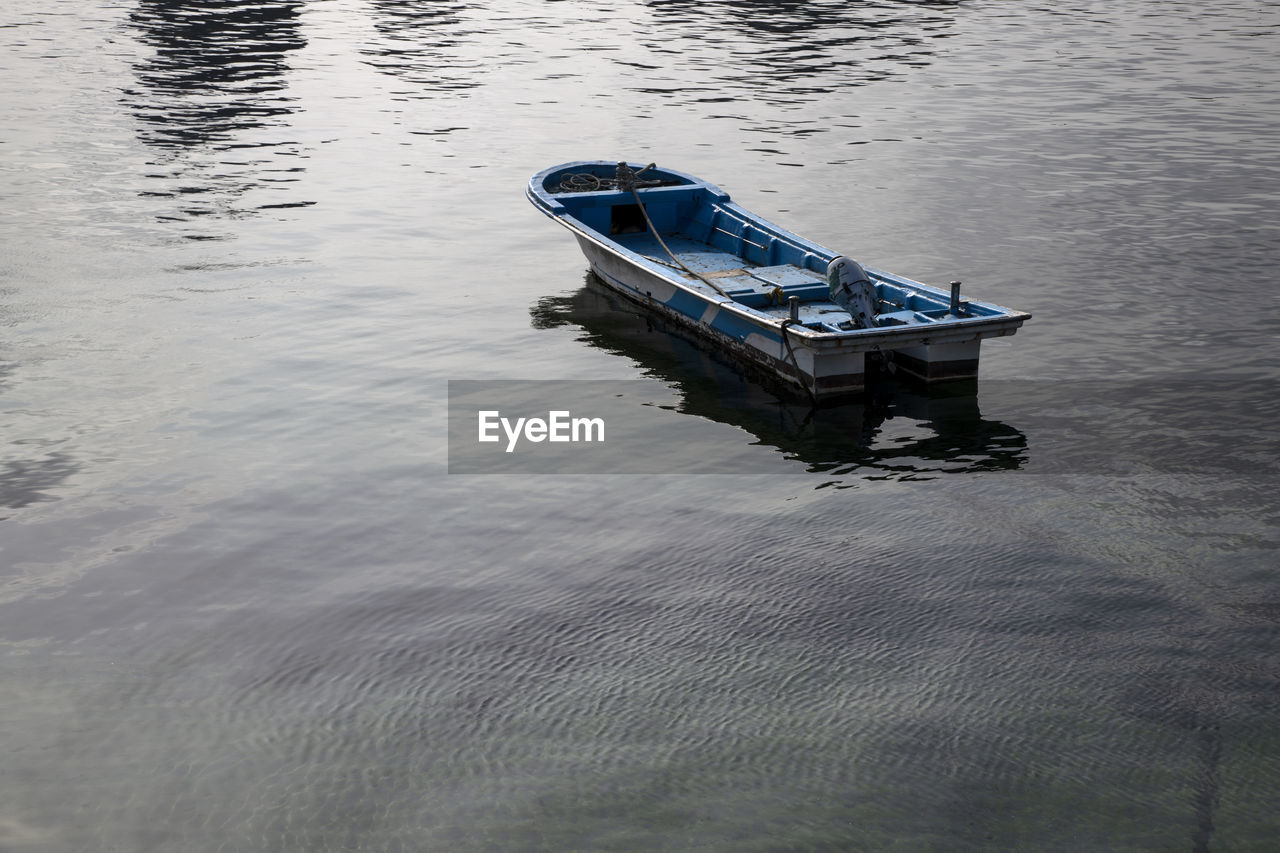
(853, 291)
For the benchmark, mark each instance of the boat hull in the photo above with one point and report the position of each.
(828, 374)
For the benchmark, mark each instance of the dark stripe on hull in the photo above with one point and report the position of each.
(936, 371)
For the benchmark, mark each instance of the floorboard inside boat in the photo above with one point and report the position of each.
(694, 254)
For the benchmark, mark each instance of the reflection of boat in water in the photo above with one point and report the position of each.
(896, 430)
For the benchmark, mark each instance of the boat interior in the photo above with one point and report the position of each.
(754, 263)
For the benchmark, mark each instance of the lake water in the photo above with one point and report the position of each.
(246, 246)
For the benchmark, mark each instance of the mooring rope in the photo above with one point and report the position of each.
(626, 179)
(813, 397)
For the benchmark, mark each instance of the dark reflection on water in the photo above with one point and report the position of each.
(31, 480)
(896, 432)
(218, 68)
(424, 43)
(28, 481)
(217, 75)
(780, 52)
(672, 50)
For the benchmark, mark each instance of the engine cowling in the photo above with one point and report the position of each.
(852, 290)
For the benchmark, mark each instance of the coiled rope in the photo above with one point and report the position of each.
(585, 182)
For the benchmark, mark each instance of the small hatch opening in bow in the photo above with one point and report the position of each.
(627, 219)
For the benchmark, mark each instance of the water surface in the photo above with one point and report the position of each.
(244, 606)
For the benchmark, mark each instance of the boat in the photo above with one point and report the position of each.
(812, 319)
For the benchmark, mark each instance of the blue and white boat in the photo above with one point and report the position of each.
(766, 297)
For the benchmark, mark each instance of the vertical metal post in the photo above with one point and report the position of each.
(955, 298)
(794, 303)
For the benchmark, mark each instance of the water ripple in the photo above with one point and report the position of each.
(217, 69)
(212, 99)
